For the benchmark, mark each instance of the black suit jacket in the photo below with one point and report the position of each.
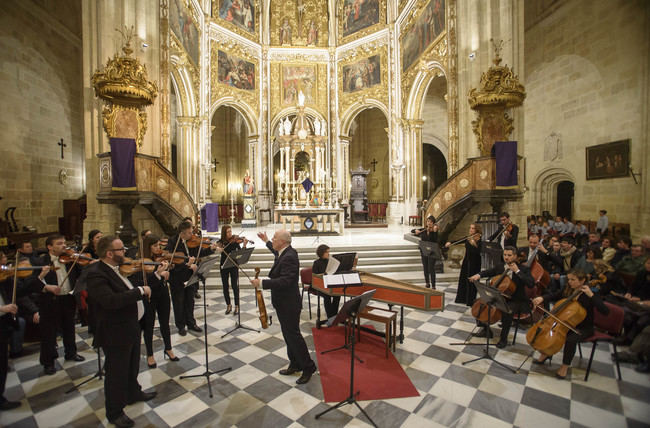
(512, 241)
(45, 299)
(547, 260)
(284, 279)
(521, 279)
(180, 273)
(115, 307)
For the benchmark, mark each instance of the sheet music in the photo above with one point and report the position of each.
(351, 278)
(332, 265)
(332, 280)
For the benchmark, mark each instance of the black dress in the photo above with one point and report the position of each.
(232, 273)
(471, 266)
(429, 262)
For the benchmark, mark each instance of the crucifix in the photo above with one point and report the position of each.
(60, 143)
(374, 164)
(215, 163)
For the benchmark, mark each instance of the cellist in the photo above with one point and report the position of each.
(518, 302)
(588, 300)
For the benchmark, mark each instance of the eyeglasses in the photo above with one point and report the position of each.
(117, 249)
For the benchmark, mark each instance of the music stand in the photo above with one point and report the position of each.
(343, 317)
(428, 248)
(199, 275)
(349, 313)
(241, 257)
(492, 298)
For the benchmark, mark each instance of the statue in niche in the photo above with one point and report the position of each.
(287, 126)
(281, 129)
(249, 186)
(312, 34)
(317, 127)
(323, 127)
(553, 147)
(301, 14)
(285, 32)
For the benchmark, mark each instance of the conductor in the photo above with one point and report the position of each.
(118, 306)
(285, 298)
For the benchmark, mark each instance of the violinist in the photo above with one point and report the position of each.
(466, 293)
(158, 302)
(429, 233)
(507, 232)
(56, 304)
(93, 238)
(589, 300)
(182, 296)
(133, 251)
(230, 243)
(518, 303)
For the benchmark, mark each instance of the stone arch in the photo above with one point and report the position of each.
(545, 187)
(242, 108)
(353, 111)
(423, 79)
(181, 78)
(309, 112)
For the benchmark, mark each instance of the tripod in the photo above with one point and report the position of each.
(99, 375)
(238, 324)
(207, 372)
(349, 343)
(493, 299)
(352, 307)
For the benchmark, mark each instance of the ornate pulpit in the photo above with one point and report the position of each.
(359, 195)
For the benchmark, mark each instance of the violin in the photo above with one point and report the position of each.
(130, 266)
(472, 237)
(196, 241)
(176, 259)
(549, 334)
(70, 256)
(24, 270)
(261, 306)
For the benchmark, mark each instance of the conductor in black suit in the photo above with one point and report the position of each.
(285, 298)
(118, 308)
(505, 238)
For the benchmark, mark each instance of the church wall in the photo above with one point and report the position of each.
(40, 74)
(230, 149)
(586, 66)
(434, 114)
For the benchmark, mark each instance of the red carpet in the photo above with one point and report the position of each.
(377, 378)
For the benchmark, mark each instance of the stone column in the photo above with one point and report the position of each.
(101, 41)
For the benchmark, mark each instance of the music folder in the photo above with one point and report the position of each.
(240, 256)
(351, 307)
(204, 267)
(429, 248)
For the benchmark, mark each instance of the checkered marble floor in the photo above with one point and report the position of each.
(253, 394)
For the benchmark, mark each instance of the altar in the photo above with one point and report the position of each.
(311, 221)
(306, 203)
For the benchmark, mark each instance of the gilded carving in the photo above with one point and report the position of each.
(499, 90)
(358, 19)
(437, 52)
(299, 23)
(377, 92)
(165, 124)
(239, 16)
(219, 89)
(295, 75)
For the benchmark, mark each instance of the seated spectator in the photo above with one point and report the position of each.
(581, 233)
(633, 262)
(593, 241)
(608, 251)
(586, 263)
(558, 226)
(569, 228)
(569, 253)
(622, 249)
(544, 230)
(637, 317)
(645, 243)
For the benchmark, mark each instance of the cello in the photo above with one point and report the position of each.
(549, 334)
(506, 286)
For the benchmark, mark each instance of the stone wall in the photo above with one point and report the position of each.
(370, 141)
(435, 130)
(586, 75)
(40, 74)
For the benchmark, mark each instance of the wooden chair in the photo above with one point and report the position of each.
(305, 278)
(608, 327)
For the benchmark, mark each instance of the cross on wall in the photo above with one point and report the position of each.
(374, 164)
(63, 145)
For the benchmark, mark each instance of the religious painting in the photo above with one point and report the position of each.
(424, 31)
(184, 28)
(296, 78)
(362, 74)
(608, 160)
(238, 12)
(236, 72)
(359, 14)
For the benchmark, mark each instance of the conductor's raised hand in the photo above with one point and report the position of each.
(262, 236)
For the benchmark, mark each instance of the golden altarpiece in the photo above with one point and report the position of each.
(309, 66)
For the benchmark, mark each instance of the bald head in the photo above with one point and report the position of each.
(281, 239)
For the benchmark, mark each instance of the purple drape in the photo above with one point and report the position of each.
(306, 184)
(123, 162)
(506, 163)
(210, 217)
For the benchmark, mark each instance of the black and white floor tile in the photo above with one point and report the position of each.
(254, 395)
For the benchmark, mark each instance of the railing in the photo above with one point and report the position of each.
(153, 181)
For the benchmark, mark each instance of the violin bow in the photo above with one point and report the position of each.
(557, 319)
(13, 295)
(144, 274)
